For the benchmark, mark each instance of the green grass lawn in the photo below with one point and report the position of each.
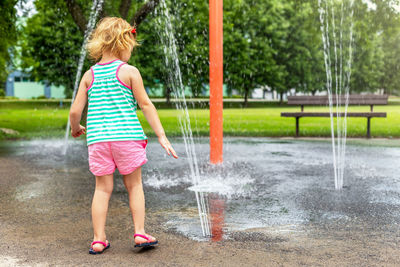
(51, 122)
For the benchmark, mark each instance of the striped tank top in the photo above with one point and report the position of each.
(111, 114)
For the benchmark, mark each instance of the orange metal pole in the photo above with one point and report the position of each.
(216, 81)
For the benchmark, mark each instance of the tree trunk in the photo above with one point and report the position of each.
(143, 11)
(124, 8)
(168, 94)
(77, 14)
(281, 98)
(246, 96)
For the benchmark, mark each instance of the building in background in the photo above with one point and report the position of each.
(21, 86)
(159, 91)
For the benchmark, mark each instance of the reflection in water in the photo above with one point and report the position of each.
(217, 213)
(213, 215)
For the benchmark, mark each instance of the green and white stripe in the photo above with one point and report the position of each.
(111, 112)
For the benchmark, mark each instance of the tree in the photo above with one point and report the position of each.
(8, 37)
(388, 23)
(266, 43)
(253, 32)
(301, 53)
(190, 19)
(368, 61)
(54, 35)
(51, 45)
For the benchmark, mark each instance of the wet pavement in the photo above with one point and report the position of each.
(272, 203)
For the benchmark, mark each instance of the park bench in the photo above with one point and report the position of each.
(370, 100)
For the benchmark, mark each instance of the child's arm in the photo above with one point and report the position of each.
(147, 107)
(75, 114)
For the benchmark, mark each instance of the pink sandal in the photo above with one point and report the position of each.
(147, 244)
(91, 251)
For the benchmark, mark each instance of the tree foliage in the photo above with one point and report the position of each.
(254, 32)
(53, 37)
(388, 20)
(8, 36)
(50, 50)
(267, 43)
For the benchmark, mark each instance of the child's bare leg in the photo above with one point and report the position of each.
(133, 183)
(101, 197)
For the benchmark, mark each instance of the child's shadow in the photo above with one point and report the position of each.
(143, 250)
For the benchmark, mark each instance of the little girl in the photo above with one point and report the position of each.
(115, 137)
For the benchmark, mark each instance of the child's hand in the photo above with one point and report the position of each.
(78, 132)
(167, 146)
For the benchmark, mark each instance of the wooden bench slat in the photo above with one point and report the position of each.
(341, 114)
(326, 103)
(353, 100)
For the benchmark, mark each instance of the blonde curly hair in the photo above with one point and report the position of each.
(113, 35)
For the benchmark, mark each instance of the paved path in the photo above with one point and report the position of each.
(45, 221)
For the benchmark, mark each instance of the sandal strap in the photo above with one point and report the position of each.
(99, 242)
(145, 237)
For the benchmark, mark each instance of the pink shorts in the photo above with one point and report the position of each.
(127, 156)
